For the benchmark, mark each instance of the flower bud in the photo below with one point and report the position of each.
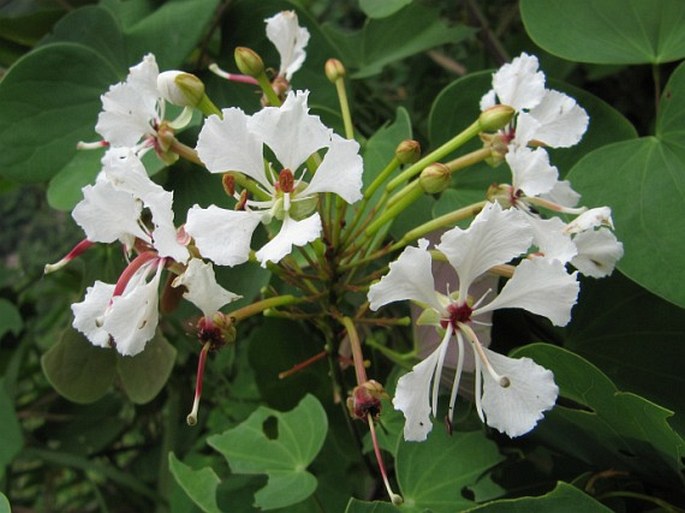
(502, 194)
(334, 70)
(495, 117)
(498, 148)
(180, 88)
(435, 178)
(408, 151)
(365, 399)
(248, 62)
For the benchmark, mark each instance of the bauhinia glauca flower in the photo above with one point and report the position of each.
(511, 394)
(286, 189)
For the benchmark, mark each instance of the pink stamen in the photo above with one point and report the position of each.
(233, 77)
(132, 268)
(396, 499)
(191, 419)
(76, 251)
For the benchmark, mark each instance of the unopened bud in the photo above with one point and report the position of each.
(498, 148)
(495, 117)
(249, 62)
(502, 194)
(180, 88)
(435, 178)
(334, 70)
(365, 399)
(408, 151)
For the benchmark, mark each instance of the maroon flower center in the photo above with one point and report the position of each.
(457, 313)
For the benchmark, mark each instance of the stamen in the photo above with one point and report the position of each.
(478, 390)
(302, 365)
(76, 251)
(554, 207)
(477, 303)
(191, 419)
(457, 378)
(82, 145)
(438, 369)
(395, 498)
(233, 77)
(502, 380)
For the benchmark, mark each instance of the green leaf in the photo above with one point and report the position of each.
(199, 485)
(4, 504)
(143, 376)
(609, 428)
(280, 445)
(10, 430)
(433, 473)
(608, 31)
(357, 506)
(633, 336)
(77, 369)
(565, 498)
(412, 30)
(163, 29)
(643, 183)
(10, 318)
(50, 101)
(382, 8)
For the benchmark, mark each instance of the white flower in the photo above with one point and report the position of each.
(284, 31)
(539, 285)
(202, 289)
(236, 143)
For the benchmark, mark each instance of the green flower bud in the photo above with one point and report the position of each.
(502, 194)
(495, 117)
(435, 178)
(408, 151)
(180, 88)
(248, 62)
(334, 70)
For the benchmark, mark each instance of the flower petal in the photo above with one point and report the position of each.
(519, 83)
(557, 121)
(284, 31)
(89, 312)
(202, 289)
(129, 108)
(563, 194)
(593, 218)
(292, 233)
(494, 237)
(598, 252)
(540, 286)
(227, 144)
(340, 171)
(531, 171)
(412, 397)
(290, 131)
(516, 409)
(222, 235)
(410, 277)
(551, 240)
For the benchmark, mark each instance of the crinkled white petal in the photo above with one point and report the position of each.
(540, 286)
(132, 317)
(222, 235)
(290, 131)
(551, 240)
(106, 214)
(202, 289)
(516, 409)
(410, 277)
(488, 100)
(519, 84)
(292, 233)
(562, 194)
(593, 218)
(494, 237)
(531, 171)
(228, 144)
(290, 40)
(129, 108)
(557, 121)
(598, 252)
(88, 314)
(413, 397)
(340, 171)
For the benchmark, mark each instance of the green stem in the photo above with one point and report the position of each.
(207, 107)
(264, 304)
(185, 152)
(355, 345)
(382, 177)
(344, 108)
(408, 196)
(268, 91)
(460, 139)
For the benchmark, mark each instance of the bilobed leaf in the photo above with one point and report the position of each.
(565, 498)
(357, 506)
(199, 485)
(143, 376)
(381, 8)
(50, 100)
(609, 428)
(380, 147)
(4, 504)
(77, 369)
(294, 439)
(642, 181)
(432, 474)
(608, 31)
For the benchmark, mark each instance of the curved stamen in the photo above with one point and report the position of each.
(457, 377)
(438, 369)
